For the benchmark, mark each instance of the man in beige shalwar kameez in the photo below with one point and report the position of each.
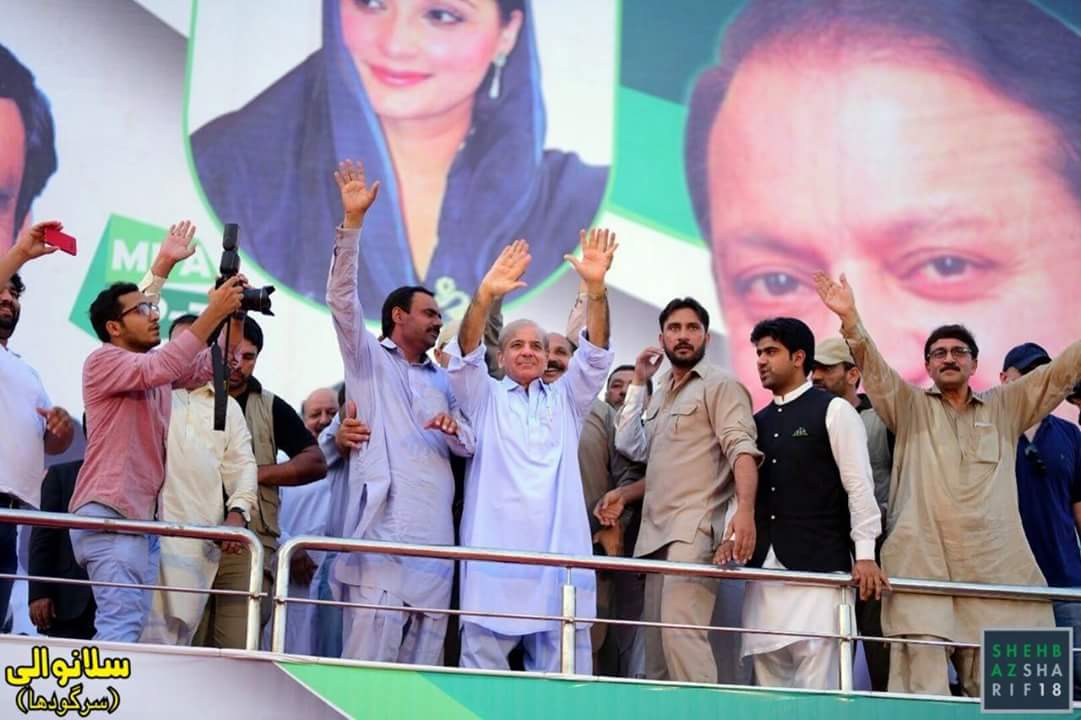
(953, 494)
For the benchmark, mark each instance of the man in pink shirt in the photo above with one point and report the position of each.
(127, 394)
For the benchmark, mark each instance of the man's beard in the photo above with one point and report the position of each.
(689, 362)
(7, 324)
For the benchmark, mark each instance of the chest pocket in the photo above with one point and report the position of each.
(682, 418)
(985, 443)
(428, 402)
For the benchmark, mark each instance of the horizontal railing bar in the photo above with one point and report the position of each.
(904, 585)
(104, 583)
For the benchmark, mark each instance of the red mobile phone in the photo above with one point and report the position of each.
(61, 240)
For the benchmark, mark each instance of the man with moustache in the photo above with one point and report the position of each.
(560, 351)
(954, 509)
(400, 482)
(32, 427)
(524, 490)
(305, 510)
(931, 150)
(698, 442)
(817, 500)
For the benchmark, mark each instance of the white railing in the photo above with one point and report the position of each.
(149, 527)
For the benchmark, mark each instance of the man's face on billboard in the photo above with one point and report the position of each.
(12, 159)
(932, 193)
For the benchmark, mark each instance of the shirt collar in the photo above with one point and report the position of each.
(392, 347)
(785, 399)
(702, 369)
(509, 385)
(973, 397)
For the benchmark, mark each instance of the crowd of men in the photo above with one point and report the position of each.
(495, 436)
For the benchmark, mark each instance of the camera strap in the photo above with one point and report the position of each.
(221, 392)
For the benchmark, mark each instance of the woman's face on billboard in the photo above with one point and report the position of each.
(12, 158)
(419, 59)
(935, 195)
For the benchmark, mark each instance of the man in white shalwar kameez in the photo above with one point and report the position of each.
(524, 488)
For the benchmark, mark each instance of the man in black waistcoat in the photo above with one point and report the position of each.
(815, 499)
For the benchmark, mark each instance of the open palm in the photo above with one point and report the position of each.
(357, 195)
(837, 296)
(179, 243)
(506, 272)
(598, 248)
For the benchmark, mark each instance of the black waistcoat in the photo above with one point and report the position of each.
(801, 507)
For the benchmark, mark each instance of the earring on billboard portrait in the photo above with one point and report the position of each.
(497, 75)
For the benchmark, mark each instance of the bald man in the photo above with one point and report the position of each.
(305, 510)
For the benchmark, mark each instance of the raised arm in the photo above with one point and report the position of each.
(354, 341)
(1039, 392)
(29, 246)
(504, 276)
(889, 393)
(598, 248)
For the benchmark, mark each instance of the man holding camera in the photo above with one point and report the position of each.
(126, 391)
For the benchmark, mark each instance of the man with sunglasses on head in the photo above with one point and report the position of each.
(127, 394)
(1049, 494)
(953, 510)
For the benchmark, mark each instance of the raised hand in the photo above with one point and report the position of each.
(178, 245)
(598, 247)
(357, 195)
(31, 242)
(225, 300)
(506, 272)
(837, 296)
(646, 364)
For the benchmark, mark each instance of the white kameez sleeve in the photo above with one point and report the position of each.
(631, 439)
(848, 440)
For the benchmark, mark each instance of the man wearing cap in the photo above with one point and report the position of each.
(836, 371)
(953, 506)
(1049, 494)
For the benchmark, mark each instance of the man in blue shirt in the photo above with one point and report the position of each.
(1049, 495)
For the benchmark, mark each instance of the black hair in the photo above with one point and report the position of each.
(17, 284)
(185, 319)
(953, 332)
(399, 298)
(680, 304)
(39, 160)
(617, 369)
(106, 307)
(253, 333)
(506, 7)
(790, 332)
(1018, 49)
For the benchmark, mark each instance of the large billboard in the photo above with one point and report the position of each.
(930, 150)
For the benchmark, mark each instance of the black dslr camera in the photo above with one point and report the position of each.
(254, 299)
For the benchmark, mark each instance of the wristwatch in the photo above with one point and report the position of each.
(243, 513)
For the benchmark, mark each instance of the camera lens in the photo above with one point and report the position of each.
(257, 300)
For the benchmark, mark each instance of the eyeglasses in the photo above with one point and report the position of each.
(955, 352)
(1032, 454)
(146, 309)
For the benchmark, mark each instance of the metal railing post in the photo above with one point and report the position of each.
(844, 626)
(281, 591)
(566, 639)
(255, 588)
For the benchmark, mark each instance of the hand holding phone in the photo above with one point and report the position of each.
(60, 240)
